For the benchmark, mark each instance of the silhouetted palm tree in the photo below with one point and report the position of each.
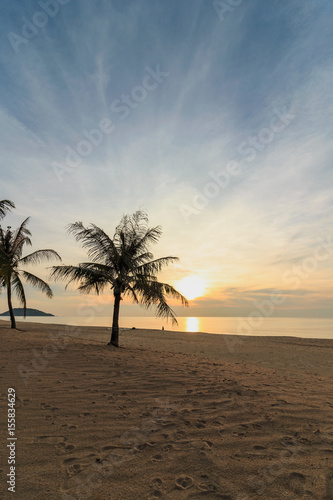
(5, 206)
(11, 247)
(124, 263)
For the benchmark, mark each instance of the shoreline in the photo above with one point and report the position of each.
(253, 333)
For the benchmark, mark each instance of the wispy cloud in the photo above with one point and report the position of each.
(225, 81)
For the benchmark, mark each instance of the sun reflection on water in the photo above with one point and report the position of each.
(192, 324)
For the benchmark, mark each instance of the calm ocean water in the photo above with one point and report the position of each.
(289, 327)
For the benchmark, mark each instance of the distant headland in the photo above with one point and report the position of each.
(18, 311)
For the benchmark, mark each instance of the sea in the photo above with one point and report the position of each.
(319, 328)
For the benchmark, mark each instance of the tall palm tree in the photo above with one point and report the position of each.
(122, 263)
(11, 247)
(5, 206)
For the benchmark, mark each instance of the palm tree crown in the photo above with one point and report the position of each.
(123, 263)
(11, 249)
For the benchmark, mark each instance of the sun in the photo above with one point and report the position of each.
(191, 287)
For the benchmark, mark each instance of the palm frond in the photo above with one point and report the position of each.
(172, 292)
(154, 293)
(152, 235)
(38, 283)
(39, 255)
(20, 238)
(93, 284)
(98, 244)
(132, 293)
(87, 276)
(142, 258)
(5, 206)
(70, 273)
(154, 266)
(19, 290)
(163, 310)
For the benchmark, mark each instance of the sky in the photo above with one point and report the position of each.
(214, 117)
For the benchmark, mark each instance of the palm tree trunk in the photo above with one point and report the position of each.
(10, 307)
(115, 321)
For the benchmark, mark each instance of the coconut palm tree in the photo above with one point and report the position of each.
(5, 206)
(123, 263)
(11, 248)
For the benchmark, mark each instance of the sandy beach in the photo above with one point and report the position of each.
(168, 415)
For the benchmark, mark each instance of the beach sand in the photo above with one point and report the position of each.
(169, 415)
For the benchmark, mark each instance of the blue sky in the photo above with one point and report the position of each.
(218, 124)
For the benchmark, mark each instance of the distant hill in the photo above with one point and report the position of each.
(18, 311)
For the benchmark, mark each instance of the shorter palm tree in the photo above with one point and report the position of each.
(123, 263)
(11, 247)
(5, 206)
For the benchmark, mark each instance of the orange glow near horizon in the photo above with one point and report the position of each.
(191, 287)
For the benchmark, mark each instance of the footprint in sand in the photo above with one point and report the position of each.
(156, 482)
(73, 469)
(208, 444)
(155, 486)
(167, 447)
(76, 464)
(184, 482)
(296, 482)
(157, 458)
